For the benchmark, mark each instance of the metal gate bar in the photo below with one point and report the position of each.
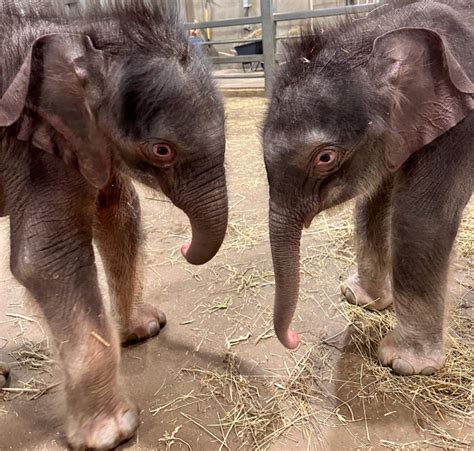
(269, 42)
(269, 20)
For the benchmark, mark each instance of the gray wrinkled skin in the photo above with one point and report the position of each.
(89, 101)
(379, 109)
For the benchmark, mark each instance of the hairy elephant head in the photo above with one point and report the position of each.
(171, 124)
(344, 114)
(130, 95)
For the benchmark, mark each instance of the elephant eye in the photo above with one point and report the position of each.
(159, 153)
(325, 160)
(162, 151)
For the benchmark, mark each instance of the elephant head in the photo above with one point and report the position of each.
(145, 105)
(348, 110)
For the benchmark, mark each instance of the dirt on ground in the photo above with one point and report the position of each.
(216, 378)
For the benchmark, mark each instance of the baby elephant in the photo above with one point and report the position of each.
(89, 101)
(379, 108)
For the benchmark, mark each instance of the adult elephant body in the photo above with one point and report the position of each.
(89, 101)
(379, 109)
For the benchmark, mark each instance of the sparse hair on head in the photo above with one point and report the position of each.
(319, 44)
(115, 26)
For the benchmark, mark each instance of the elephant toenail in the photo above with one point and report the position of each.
(343, 288)
(162, 319)
(106, 437)
(128, 423)
(402, 367)
(428, 371)
(350, 295)
(153, 328)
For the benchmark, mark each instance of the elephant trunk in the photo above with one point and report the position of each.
(285, 238)
(208, 217)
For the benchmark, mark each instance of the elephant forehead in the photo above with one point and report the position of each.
(294, 146)
(334, 107)
(160, 93)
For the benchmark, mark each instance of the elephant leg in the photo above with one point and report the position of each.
(3, 209)
(118, 235)
(369, 287)
(428, 200)
(53, 257)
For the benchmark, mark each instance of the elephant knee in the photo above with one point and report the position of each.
(36, 266)
(30, 270)
(22, 265)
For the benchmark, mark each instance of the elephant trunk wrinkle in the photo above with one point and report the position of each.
(285, 237)
(208, 215)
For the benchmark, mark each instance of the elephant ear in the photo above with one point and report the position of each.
(52, 98)
(429, 87)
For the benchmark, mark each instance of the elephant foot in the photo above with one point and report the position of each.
(355, 294)
(4, 373)
(105, 430)
(406, 359)
(145, 322)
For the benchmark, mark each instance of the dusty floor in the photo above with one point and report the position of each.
(227, 304)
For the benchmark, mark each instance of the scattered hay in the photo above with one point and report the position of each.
(257, 410)
(254, 411)
(242, 234)
(34, 359)
(172, 439)
(248, 279)
(447, 393)
(34, 356)
(328, 241)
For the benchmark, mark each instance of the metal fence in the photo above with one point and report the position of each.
(268, 20)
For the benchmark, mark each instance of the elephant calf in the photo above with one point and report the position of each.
(381, 109)
(89, 102)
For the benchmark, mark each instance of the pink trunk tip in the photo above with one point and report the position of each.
(184, 249)
(292, 340)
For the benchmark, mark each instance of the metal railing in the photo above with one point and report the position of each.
(268, 20)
